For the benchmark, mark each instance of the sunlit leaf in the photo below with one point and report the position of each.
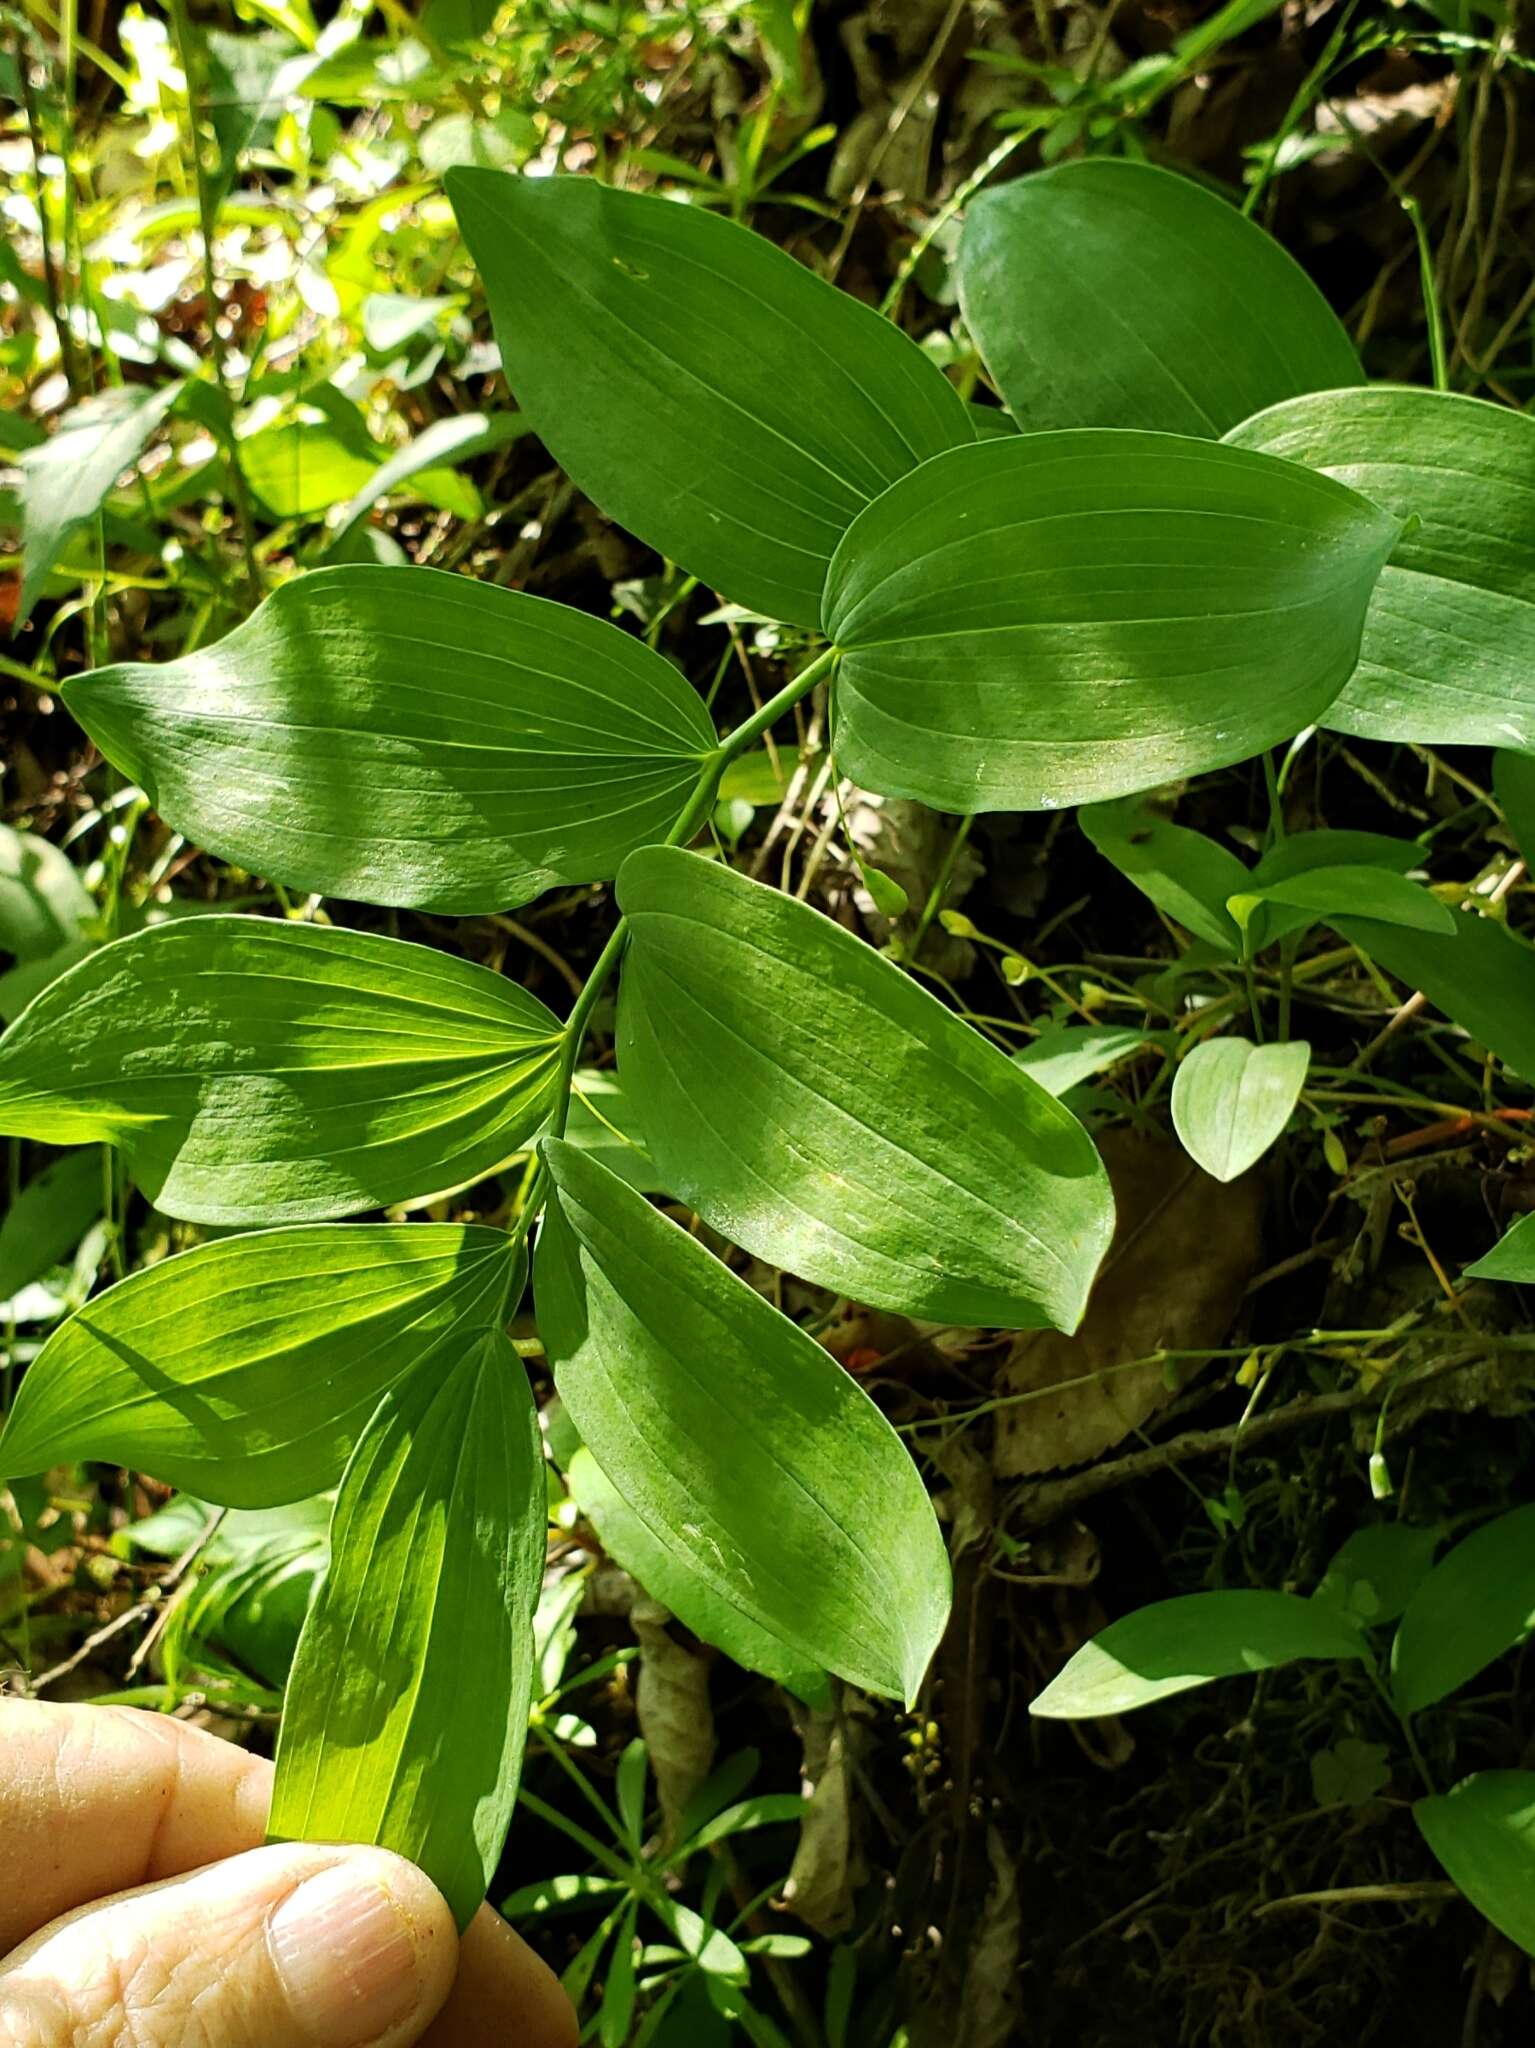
(1483, 1832)
(1231, 1100)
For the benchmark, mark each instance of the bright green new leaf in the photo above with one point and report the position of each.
(244, 1369)
(1483, 1832)
(1511, 1258)
(1449, 645)
(1479, 975)
(1188, 876)
(48, 1218)
(1111, 294)
(65, 479)
(1475, 1604)
(301, 469)
(1356, 890)
(734, 411)
(43, 902)
(741, 1444)
(408, 1706)
(818, 1107)
(665, 1572)
(406, 737)
(1174, 1645)
(259, 1070)
(1058, 618)
(1065, 1054)
(1231, 1099)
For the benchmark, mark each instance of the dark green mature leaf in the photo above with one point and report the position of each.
(244, 1370)
(1231, 1100)
(1111, 294)
(1449, 645)
(1187, 875)
(668, 1576)
(1058, 618)
(1483, 1832)
(1174, 1645)
(1479, 975)
(408, 1706)
(48, 1218)
(1513, 782)
(406, 737)
(736, 1439)
(65, 479)
(1511, 1258)
(731, 409)
(1475, 1604)
(1367, 891)
(259, 1070)
(1375, 1571)
(821, 1109)
(43, 902)
(1302, 853)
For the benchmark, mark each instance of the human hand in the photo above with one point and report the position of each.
(137, 1910)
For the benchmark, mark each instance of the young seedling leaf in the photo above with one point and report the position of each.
(1480, 975)
(1231, 1100)
(1449, 644)
(1477, 1602)
(1112, 294)
(407, 1710)
(1511, 1258)
(735, 411)
(1063, 1055)
(405, 737)
(258, 1070)
(1174, 1645)
(1483, 1832)
(1189, 877)
(821, 1109)
(700, 1604)
(740, 1444)
(245, 1369)
(1060, 618)
(65, 480)
(1302, 852)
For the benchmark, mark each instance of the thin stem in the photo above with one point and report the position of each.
(1431, 307)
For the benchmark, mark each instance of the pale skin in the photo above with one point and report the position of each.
(139, 1909)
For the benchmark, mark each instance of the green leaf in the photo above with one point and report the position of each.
(1356, 890)
(819, 1108)
(302, 469)
(734, 411)
(1304, 851)
(1483, 1832)
(1377, 1570)
(259, 1070)
(1511, 1258)
(65, 479)
(1059, 618)
(602, 1122)
(1449, 645)
(1513, 782)
(1475, 1604)
(1175, 1645)
(48, 1218)
(244, 1370)
(406, 737)
(1188, 876)
(43, 903)
(1479, 975)
(1110, 294)
(445, 441)
(1065, 1054)
(736, 1439)
(656, 1564)
(1231, 1100)
(407, 1711)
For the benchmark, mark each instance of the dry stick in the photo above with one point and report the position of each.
(1048, 1502)
(1362, 1895)
(152, 1601)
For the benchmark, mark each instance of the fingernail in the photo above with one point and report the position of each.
(346, 1957)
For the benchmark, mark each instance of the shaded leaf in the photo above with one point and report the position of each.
(1065, 1054)
(1377, 1570)
(1511, 1258)
(1477, 1602)
(1231, 1100)
(1186, 875)
(43, 903)
(48, 1219)
(1373, 892)
(819, 1108)
(1479, 975)
(1483, 1832)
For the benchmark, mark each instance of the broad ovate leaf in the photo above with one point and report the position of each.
(407, 1710)
(245, 1369)
(701, 386)
(817, 1106)
(1065, 617)
(406, 737)
(1111, 294)
(260, 1070)
(1483, 1832)
(66, 479)
(1174, 1645)
(740, 1443)
(1231, 1100)
(1449, 644)
(44, 905)
(1477, 1602)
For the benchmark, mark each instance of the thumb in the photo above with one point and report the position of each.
(291, 1946)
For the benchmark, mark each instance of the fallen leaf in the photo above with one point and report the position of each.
(671, 1702)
